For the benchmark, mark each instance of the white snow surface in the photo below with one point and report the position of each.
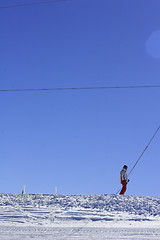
(80, 217)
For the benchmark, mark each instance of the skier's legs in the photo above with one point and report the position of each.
(124, 184)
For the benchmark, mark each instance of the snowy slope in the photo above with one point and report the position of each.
(90, 216)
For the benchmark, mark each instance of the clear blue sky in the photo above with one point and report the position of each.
(79, 140)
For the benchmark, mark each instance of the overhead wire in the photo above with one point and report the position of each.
(31, 4)
(76, 88)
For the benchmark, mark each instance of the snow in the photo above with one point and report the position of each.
(64, 217)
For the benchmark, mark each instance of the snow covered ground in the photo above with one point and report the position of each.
(80, 217)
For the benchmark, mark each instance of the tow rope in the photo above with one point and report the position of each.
(143, 152)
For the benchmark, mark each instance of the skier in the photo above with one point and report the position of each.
(124, 179)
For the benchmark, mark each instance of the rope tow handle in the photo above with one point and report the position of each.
(142, 153)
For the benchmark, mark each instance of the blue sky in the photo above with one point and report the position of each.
(79, 140)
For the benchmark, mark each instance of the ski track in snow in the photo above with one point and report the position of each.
(64, 217)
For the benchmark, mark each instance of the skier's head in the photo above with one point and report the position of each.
(125, 167)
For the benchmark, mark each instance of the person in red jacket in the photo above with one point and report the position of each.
(124, 179)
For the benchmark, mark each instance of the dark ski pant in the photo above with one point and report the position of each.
(124, 187)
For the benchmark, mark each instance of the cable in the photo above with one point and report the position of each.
(144, 150)
(32, 4)
(142, 153)
(78, 88)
